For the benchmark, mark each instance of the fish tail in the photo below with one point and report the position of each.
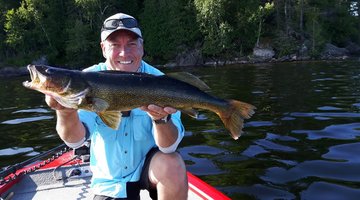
(233, 117)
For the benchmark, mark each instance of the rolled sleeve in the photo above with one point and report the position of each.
(176, 119)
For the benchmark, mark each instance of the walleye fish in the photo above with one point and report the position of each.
(109, 92)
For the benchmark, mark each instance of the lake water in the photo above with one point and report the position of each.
(302, 143)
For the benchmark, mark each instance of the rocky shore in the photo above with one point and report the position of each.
(265, 54)
(259, 55)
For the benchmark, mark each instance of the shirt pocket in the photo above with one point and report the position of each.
(142, 126)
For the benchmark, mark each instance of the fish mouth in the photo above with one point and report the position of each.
(37, 78)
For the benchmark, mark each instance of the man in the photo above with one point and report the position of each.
(141, 153)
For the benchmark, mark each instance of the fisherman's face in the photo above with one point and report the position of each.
(123, 51)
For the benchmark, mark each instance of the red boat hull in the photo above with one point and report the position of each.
(197, 187)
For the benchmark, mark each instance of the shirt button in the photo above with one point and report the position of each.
(125, 167)
(125, 152)
(126, 134)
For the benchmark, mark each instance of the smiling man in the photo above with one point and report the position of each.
(122, 48)
(141, 153)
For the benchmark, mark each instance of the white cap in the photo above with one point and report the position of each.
(105, 32)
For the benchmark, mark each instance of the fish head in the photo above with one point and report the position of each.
(64, 85)
(47, 79)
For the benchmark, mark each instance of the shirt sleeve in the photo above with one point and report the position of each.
(85, 118)
(89, 120)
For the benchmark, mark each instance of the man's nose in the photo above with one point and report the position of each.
(123, 50)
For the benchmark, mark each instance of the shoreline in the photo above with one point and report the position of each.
(22, 71)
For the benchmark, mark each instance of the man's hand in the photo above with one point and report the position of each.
(157, 112)
(53, 104)
(165, 135)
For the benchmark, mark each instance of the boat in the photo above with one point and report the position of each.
(64, 173)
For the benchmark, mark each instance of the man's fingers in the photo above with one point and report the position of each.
(170, 110)
(53, 104)
(158, 112)
(161, 110)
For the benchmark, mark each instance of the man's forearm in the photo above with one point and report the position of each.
(165, 135)
(69, 126)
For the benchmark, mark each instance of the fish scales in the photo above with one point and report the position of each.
(132, 91)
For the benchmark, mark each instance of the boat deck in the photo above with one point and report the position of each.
(66, 176)
(57, 183)
(64, 182)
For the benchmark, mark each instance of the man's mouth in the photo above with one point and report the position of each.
(127, 62)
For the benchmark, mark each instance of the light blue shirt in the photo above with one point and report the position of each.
(117, 156)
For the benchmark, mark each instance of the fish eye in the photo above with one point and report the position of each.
(49, 71)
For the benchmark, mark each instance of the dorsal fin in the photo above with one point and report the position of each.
(189, 78)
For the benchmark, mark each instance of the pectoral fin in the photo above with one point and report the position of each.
(99, 105)
(111, 118)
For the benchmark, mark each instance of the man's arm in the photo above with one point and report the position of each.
(167, 134)
(68, 124)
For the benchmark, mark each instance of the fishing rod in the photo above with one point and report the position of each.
(13, 168)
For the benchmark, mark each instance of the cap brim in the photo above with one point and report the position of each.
(106, 33)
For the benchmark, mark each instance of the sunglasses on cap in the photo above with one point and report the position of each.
(112, 24)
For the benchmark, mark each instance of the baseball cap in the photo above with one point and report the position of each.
(119, 21)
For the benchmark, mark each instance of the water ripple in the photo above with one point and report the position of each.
(271, 136)
(254, 150)
(28, 119)
(273, 146)
(330, 191)
(260, 123)
(342, 171)
(344, 152)
(196, 155)
(34, 110)
(328, 108)
(261, 192)
(15, 150)
(339, 131)
(326, 114)
(267, 145)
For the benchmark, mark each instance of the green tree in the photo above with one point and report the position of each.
(245, 20)
(83, 27)
(168, 27)
(336, 20)
(31, 31)
(263, 11)
(19, 30)
(4, 7)
(67, 32)
(82, 37)
(315, 30)
(213, 25)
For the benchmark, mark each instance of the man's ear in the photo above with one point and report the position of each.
(142, 46)
(102, 45)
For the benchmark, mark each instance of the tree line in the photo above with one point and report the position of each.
(67, 32)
